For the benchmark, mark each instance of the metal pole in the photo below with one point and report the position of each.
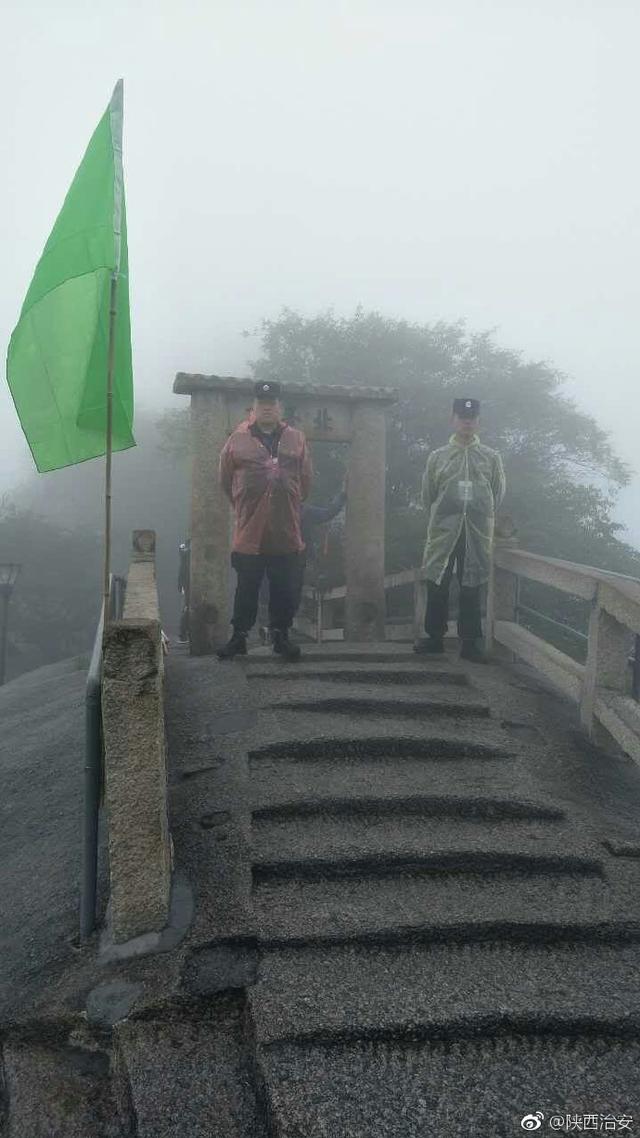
(92, 784)
(5, 629)
(109, 445)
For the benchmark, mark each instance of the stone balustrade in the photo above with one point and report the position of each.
(135, 754)
(603, 687)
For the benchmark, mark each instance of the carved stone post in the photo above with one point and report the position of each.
(502, 592)
(364, 531)
(209, 595)
(607, 665)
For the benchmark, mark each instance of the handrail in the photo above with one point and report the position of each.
(504, 553)
(568, 576)
(605, 687)
(93, 763)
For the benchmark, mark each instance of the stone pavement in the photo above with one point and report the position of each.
(416, 911)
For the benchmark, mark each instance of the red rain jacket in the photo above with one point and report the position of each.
(266, 494)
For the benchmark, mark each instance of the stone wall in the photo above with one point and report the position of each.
(135, 755)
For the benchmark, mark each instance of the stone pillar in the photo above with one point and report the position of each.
(502, 593)
(136, 772)
(364, 534)
(607, 665)
(209, 592)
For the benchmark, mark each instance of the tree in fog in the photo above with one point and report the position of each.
(563, 473)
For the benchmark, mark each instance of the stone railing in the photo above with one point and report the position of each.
(606, 686)
(319, 621)
(135, 754)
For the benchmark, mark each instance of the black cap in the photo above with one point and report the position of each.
(466, 408)
(267, 390)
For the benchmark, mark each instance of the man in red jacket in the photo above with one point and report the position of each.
(265, 471)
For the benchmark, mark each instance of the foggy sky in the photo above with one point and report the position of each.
(433, 160)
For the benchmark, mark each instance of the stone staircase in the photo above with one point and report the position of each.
(436, 942)
(443, 949)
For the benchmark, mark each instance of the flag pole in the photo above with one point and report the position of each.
(118, 190)
(109, 446)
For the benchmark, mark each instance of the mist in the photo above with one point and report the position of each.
(442, 161)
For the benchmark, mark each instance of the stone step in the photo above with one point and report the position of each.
(364, 747)
(324, 734)
(427, 905)
(365, 701)
(385, 653)
(331, 845)
(449, 1089)
(453, 784)
(416, 991)
(394, 808)
(391, 675)
(59, 1092)
(192, 1078)
(407, 858)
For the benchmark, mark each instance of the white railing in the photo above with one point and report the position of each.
(606, 687)
(321, 626)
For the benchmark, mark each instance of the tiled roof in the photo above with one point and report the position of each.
(185, 383)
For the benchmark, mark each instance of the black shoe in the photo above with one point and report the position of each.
(429, 647)
(282, 646)
(237, 646)
(472, 651)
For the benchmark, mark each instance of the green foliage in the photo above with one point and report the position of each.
(562, 470)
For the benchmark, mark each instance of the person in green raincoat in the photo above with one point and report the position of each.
(462, 487)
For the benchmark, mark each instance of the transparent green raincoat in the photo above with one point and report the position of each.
(462, 487)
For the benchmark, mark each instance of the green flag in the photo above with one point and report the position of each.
(57, 358)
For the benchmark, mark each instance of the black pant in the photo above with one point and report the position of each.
(281, 570)
(469, 622)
